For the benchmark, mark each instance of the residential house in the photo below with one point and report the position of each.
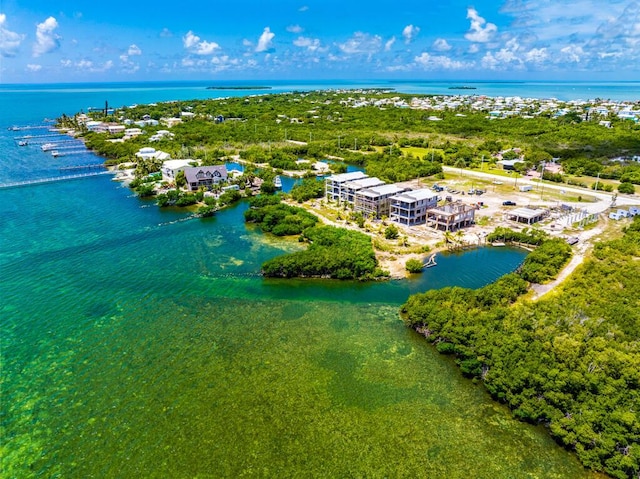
(410, 208)
(171, 122)
(170, 168)
(148, 153)
(376, 201)
(198, 176)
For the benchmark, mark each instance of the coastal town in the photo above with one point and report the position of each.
(455, 209)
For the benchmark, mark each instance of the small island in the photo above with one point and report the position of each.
(239, 87)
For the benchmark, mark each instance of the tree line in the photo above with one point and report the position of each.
(570, 361)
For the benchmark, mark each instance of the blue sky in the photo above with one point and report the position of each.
(75, 41)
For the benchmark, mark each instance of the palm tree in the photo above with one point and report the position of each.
(448, 237)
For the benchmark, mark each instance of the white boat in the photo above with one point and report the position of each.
(23, 143)
(277, 182)
(48, 146)
(56, 153)
(497, 243)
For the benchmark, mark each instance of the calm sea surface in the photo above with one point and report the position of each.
(137, 342)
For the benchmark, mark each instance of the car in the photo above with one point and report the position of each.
(509, 203)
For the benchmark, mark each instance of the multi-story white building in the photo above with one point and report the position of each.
(376, 201)
(334, 184)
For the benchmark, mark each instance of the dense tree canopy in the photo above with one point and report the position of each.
(570, 361)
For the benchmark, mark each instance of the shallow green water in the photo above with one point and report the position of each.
(136, 343)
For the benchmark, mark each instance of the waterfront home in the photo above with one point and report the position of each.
(451, 216)
(410, 208)
(350, 188)
(148, 153)
(170, 168)
(132, 133)
(96, 126)
(376, 201)
(206, 176)
(527, 215)
(115, 129)
(334, 184)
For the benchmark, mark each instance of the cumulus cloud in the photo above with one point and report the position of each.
(474, 48)
(134, 50)
(440, 62)
(193, 44)
(87, 65)
(389, 43)
(480, 31)
(409, 33)
(294, 29)
(47, 40)
(311, 44)
(34, 67)
(514, 56)
(361, 43)
(265, 41)
(9, 41)
(441, 45)
(571, 53)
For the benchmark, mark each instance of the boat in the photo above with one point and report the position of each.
(23, 143)
(277, 182)
(497, 243)
(48, 146)
(56, 153)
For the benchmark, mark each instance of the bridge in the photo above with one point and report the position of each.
(40, 181)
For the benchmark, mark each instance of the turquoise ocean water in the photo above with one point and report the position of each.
(138, 342)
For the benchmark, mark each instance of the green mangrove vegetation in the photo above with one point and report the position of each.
(570, 361)
(333, 252)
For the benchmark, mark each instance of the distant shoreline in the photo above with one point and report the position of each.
(239, 88)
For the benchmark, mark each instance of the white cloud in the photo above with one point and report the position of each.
(34, 67)
(9, 41)
(441, 45)
(134, 50)
(440, 62)
(409, 33)
(66, 63)
(303, 9)
(265, 41)
(474, 48)
(166, 33)
(480, 31)
(47, 40)
(192, 43)
(571, 53)
(311, 44)
(361, 43)
(389, 43)
(295, 29)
